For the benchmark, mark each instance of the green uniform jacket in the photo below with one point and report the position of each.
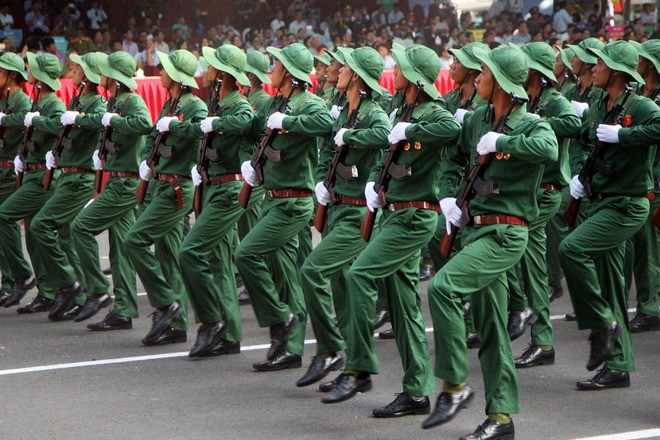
(13, 124)
(384, 100)
(366, 141)
(261, 103)
(307, 119)
(183, 137)
(232, 131)
(129, 129)
(432, 132)
(453, 100)
(46, 127)
(86, 133)
(557, 111)
(633, 155)
(530, 142)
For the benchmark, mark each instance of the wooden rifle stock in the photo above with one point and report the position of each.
(467, 190)
(615, 116)
(383, 180)
(105, 137)
(330, 178)
(64, 131)
(26, 138)
(259, 156)
(202, 163)
(656, 217)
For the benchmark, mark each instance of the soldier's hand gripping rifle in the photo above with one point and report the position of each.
(468, 191)
(60, 141)
(106, 146)
(27, 146)
(389, 165)
(261, 155)
(155, 153)
(337, 161)
(589, 168)
(207, 153)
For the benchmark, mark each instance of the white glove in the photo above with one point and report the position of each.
(19, 166)
(339, 137)
(106, 118)
(145, 171)
(453, 214)
(460, 115)
(487, 143)
(50, 161)
(196, 177)
(373, 200)
(398, 133)
(608, 133)
(322, 194)
(69, 117)
(249, 174)
(576, 187)
(207, 124)
(98, 163)
(2, 115)
(534, 115)
(28, 118)
(335, 112)
(275, 121)
(163, 124)
(579, 107)
(393, 115)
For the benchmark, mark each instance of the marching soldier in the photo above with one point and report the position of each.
(125, 124)
(494, 240)
(266, 258)
(593, 254)
(75, 188)
(321, 64)
(26, 201)
(205, 258)
(13, 107)
(161, 223)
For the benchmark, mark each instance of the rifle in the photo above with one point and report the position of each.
(384, 176)
(155, 154)
(535, 107)
(589, 168)
(261, 155)
(337, 160)
(59, 142)
(468, 191)
(319, 90)
(6, 111)
(206, 153)
(107, 145)
(469, 104)
(27, 145)
(656, 217)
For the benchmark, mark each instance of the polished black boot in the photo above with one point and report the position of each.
(492, 430)
(63, 301)
(644, 323)
(112, 321)
(348, 385)
(38, 304)
(534, 356)
(161, 318)
(319, 368)
(518, 321)
(448, 405)
(93, 305)
(279, 336)
(602, 343)
(605, 378)
(18, 290)
(280, 362)
(208, 336)
(404, 405)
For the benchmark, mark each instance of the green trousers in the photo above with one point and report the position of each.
(333, 255)
(592, 257)
(247, 221)
(534, 271)
(205, 259)
(643, 263)
(394, 255)
(24, 204)
(51, 230)
(114, 210)
(479, 269)
(266, 260)
(7, 188)
(161, 225)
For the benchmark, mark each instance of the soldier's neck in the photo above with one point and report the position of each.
(652, 79)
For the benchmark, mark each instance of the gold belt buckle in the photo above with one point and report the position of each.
(391, 207)
(477, 219)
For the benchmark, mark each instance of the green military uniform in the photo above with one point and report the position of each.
(494, 243)
(406, 225)
(206, 253)
(341, 244)
(556, 110)
(266, 256)
(31, 196)
(592, 255)
(75, 188)
(161, 223)
(114, 208)
(14, 106)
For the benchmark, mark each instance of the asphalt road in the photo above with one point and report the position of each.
(61, 381)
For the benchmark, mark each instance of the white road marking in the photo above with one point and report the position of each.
(632, 435)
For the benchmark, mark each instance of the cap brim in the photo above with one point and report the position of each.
(211, 59)
(292, 69)
(501, 79)
(108, 71)
(535, 65)
(616, 66)
(583, 55)
(263, 77)
(411, 74)
(465, 60)
(175, 74)
(40, 75)
(644, 53)
(337, 56)
(89, 73)
(11, 68)
(368, 79)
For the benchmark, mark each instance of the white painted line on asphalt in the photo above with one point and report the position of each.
(632, 435)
